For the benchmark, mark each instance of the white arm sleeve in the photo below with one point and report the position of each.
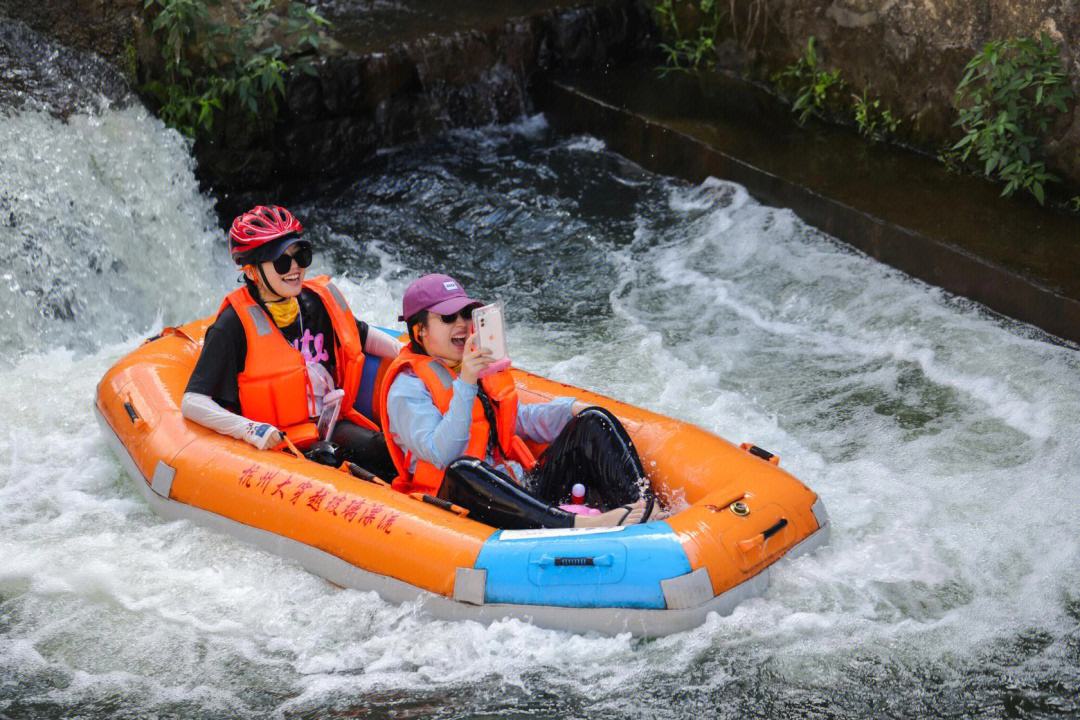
(202, 409)
(381, 344)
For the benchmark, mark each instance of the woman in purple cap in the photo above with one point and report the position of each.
(280, 344)
(455, 435)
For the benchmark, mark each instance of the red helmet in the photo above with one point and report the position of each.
(262, 233)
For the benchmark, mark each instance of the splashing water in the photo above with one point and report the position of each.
(941, 438)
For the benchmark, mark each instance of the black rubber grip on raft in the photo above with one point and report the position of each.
(439, 502)
(760, 452)
(131, 412)
(780, 525)
(574, 561)
(359, 472)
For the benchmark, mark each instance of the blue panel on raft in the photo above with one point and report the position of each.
(365, 395)
(612, 567)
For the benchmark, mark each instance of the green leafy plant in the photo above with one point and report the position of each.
(1010, 93)
(951, 160)
(687, 52)
(811, 87)
(210, 60)
(691, 42)
(872, 121)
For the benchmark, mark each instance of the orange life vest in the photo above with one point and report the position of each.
(274, 385)
(428, 478)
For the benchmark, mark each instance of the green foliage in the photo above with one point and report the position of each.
(129, 61)
(1011, 91)
(871, 120)
(687, 52)
(811, 87)
(209, 62)
(951, 160)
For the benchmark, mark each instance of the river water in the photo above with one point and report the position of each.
(942, 439)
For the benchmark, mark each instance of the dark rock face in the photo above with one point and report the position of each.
(39, 73)
(375, 95)
(105, 27)
(911, 53)
(360, 102)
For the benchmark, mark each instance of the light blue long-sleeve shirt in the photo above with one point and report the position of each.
(418, 426)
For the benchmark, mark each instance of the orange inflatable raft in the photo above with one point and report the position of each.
(741, 513)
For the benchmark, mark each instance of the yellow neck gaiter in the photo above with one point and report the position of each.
(284, 311)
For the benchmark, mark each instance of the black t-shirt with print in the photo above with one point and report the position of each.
(224, 349)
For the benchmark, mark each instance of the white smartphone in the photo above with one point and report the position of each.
(488, 326)
(491, 335)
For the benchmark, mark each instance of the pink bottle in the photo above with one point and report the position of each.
(577, 502)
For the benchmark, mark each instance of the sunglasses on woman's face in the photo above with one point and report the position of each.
(284, 262)
(465, 315)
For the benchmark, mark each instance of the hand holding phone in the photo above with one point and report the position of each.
(491, 335)
(474, 361)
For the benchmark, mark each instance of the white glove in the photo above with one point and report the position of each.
(262, 435)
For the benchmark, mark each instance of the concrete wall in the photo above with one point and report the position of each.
(911, 53)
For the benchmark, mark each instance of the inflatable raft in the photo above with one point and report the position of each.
(737, 513)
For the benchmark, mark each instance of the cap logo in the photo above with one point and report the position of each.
(450, 285)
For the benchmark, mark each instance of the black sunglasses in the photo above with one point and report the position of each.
(284, 262)
(465, 314)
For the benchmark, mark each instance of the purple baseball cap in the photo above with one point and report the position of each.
(441, 294)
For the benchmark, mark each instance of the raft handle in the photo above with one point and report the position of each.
(358, 472)
(440, 503)
(131, 412)
(606, 560)
(780, 525)
(761, 453)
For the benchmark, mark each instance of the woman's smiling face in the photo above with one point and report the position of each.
(289, 283)
(445, 340)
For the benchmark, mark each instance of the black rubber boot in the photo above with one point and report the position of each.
(494, 499)
(366, 448)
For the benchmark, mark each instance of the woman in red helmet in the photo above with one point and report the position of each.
(280, 344)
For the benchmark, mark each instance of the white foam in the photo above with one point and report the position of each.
(586, 143)
(942, 441)
(103, 230)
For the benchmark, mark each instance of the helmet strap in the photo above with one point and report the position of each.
(265, 286)
(284, 310)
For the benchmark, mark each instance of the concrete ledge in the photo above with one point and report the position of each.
(667, 146)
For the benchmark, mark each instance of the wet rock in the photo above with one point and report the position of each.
(328, 146)
(387, 75)
(100, 26)
(361, 101)
(304, 97)
(39, 73)
(436, 67)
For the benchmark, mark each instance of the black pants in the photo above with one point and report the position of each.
(363, 447)
(593, 449)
